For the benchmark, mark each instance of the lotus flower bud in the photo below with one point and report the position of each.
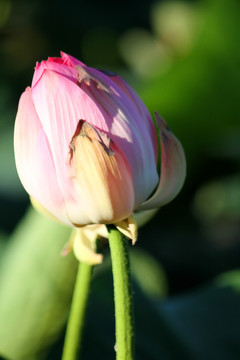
(86, 148)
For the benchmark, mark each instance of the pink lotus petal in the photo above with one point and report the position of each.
(60, 112)
(60, 105)
(139, 104)
(34, 159)
(173, 168)
(132, 133)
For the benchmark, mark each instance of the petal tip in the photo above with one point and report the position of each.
(128, 227)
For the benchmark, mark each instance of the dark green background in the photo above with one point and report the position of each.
(183, 58)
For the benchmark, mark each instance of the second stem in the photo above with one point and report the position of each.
(77, 313)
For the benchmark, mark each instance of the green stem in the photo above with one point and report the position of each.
(122, 295)
(77, 313)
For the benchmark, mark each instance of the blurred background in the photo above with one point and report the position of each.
(183, 59)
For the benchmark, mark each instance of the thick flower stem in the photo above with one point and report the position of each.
(77, 313)
(122, 295)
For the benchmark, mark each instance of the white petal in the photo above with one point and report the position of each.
(85, 249)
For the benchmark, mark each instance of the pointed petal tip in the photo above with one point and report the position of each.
(162, 124)
(64, 56)
(37, 65)
(159, 119)
(128, 227)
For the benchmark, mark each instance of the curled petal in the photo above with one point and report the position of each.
(173, 168)
(84, 248)
(92, 232)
